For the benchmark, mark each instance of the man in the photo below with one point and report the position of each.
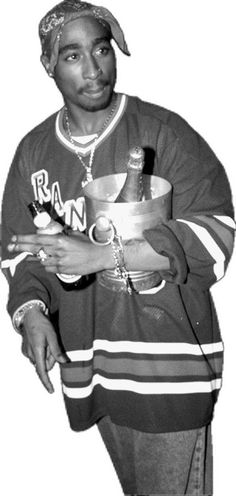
(145, 367)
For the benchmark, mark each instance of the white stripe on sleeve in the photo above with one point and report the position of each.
(210, 245)
(226, 220)
(12, 263)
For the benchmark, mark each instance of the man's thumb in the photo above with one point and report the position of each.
(61, 357)
(56, 351)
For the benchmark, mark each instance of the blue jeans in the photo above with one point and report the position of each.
(174, 463)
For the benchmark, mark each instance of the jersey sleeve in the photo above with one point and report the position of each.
(28, 280)
(199, 237)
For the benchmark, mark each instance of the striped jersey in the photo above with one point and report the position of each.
(153, 360)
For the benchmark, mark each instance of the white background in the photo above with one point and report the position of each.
(183, 58)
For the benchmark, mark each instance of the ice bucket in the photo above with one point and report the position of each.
(129, 219)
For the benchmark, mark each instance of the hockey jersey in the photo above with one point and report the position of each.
(150, 361)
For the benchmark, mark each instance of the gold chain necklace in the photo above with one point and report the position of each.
(88, 168)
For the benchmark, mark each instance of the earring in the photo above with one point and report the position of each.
(50, 74)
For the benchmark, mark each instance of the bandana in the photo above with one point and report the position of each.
(51, 26)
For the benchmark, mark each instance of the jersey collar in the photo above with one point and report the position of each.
(85, 149)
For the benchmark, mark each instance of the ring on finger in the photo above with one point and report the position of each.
(41, 254)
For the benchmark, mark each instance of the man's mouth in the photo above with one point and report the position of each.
(94, 91)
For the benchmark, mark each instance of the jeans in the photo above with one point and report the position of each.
(174, 463)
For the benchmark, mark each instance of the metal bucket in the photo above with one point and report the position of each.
(129, 219)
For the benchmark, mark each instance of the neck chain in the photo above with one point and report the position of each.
(88, 168)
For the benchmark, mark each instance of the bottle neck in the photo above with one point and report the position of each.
(132, 190)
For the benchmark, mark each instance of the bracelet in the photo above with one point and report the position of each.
(17, 319)
(120, 268)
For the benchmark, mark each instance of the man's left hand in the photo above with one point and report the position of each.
(74, 254)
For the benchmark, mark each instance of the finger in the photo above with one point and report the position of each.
(23, 247)
(36, 258)
(32, 258)
(55, 349)
(50, 261)
(24, 238)
(32, 360)
(31, 249)
(53, 269)
(41, 369)
(50, 362)
(24, 350)
(11, 247)
(37, 239)
(27, 352)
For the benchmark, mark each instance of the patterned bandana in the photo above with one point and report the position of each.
(51, 26)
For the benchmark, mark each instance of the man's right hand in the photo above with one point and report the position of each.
(40, 345)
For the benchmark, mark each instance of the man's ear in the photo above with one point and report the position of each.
(46, 65)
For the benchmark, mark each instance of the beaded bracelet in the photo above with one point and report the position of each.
(120, 268)
(17, 319)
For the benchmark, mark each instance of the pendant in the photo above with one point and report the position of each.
(87, 180)
(84, 183)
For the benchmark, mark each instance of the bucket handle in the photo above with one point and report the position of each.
(101, 243)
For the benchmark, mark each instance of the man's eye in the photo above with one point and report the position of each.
(72, 57)
(103, 50)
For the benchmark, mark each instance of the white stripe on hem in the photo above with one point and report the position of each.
(145, 348)
(143, 387)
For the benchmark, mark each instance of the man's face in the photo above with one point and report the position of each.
(86, 68)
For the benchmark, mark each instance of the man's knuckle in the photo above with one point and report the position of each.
(61, 242)
(60, 264)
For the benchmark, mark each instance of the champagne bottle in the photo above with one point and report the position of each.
(132, 190)
(43, 221)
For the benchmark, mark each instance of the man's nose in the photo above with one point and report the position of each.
(91, 68)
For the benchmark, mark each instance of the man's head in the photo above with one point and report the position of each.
(85, 72)
(53, 23)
